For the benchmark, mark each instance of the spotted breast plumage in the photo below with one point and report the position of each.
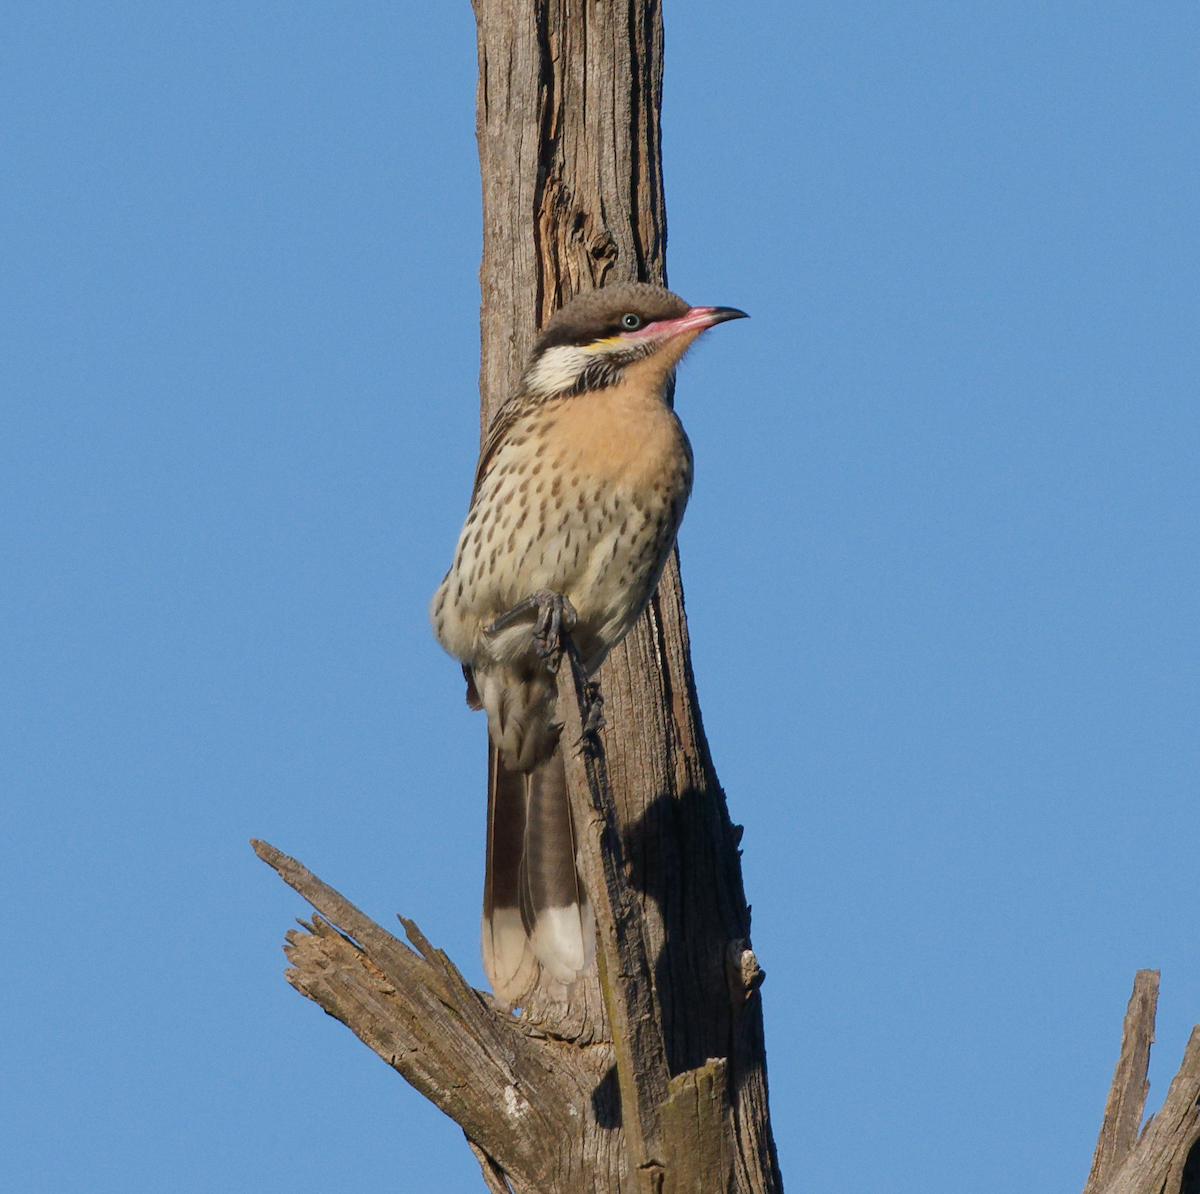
(579, 492)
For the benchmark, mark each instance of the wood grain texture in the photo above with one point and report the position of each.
(1156, 1163)
(622, 954)
(567, 120)
(554, 1100)
(1127, 1095)
(493, 1175)
(568, 128)
(533, 1107)
(1164, 1158)
(695, 1120)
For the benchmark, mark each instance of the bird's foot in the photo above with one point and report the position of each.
(555, 616)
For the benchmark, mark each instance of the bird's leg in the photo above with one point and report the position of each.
(555, 616)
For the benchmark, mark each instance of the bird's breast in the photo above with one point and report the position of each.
(583, 498)
(619, 436)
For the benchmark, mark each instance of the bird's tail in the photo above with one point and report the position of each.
(535, 908)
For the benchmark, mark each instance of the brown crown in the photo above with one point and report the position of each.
(597, 313)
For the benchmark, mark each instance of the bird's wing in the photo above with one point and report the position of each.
(501, 425)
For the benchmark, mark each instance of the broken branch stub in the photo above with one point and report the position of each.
(1154, 1161)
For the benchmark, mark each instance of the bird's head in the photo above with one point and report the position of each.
(597, 336)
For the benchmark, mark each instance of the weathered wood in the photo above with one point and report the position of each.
(567, 121)
(568, 128)
(695, 1122)
(677, 1129)
(493, 1175)
(1160, 1160)
(1127, 1095)
(1155, 1164)
(626, 978)
(532, 1106)
(655, 1080)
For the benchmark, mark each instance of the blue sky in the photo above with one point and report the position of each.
(940, 564)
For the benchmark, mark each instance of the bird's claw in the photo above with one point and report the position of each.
(555, 616)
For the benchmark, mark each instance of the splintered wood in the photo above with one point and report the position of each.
(1156, 1161)
(656, 1081)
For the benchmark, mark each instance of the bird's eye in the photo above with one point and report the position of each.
(631, 322)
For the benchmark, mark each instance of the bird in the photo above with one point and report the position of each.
(580, 489)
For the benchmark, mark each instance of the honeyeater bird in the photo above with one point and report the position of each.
(579, 491)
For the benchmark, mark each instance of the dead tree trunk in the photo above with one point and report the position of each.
(650, 1073)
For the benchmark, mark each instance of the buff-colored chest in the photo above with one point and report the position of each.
(582, 499)
(622, 437)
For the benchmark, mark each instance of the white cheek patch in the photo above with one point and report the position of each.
(559, 368)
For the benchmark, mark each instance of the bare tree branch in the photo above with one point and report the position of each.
(649, 1074)
(517, 1098)
(523, 1101)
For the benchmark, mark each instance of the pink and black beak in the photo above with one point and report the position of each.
(707, 317)
(695, 319)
